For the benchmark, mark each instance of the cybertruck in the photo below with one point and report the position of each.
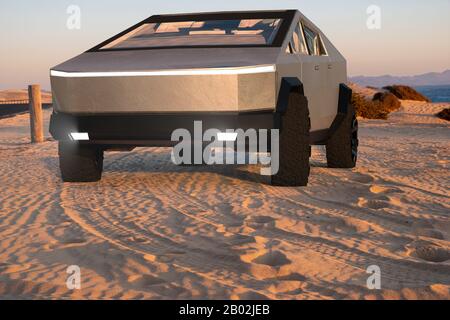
(230, 70)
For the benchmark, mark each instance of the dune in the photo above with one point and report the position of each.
(153, 230)
(367, 92)
(8, 95)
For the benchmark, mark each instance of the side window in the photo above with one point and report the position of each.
(298, 40)
(322, 50)
(297, 43)
(314, 43)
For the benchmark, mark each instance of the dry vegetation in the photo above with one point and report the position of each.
(388, 101)
(444, 114)
(406, 93)
(378, 108)
(375, 103)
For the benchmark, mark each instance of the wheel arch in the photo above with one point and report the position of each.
(288, 85)
(344, 102)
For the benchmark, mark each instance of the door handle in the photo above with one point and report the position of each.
(317, 68)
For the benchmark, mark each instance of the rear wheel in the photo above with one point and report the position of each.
(80, 163)
(342, 147)
(295, 149)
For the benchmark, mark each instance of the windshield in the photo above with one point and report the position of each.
(209, 33)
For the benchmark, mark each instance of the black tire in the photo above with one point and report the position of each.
(342, 147)
(80, 163)
(295, 149)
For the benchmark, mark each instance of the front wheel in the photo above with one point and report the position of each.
(342, 147)
(80, 163)
(294, 144)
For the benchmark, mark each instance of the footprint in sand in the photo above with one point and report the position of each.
(429, 252)
(273, 259)
(252, 203)
(362, 178)
(373, 204)
(258, 222)
(432, 254)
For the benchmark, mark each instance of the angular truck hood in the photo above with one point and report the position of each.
(168, 59)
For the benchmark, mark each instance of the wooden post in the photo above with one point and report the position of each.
(36, 121)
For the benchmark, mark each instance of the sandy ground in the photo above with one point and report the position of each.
(153, 230)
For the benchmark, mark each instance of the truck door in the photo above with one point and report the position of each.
(315, 68)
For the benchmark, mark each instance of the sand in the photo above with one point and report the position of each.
(22, 94)
(366, 92)
(152, 230)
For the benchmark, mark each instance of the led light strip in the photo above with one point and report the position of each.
(79, 136)
(227, 136)
(185, 72)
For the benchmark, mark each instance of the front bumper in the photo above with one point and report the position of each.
(151, 129)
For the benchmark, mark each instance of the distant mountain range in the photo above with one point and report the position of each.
(427, 79)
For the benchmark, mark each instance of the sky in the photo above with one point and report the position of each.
(414, 37)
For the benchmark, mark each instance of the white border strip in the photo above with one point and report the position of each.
(182, 72)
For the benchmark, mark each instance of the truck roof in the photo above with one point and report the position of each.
(284, 17)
